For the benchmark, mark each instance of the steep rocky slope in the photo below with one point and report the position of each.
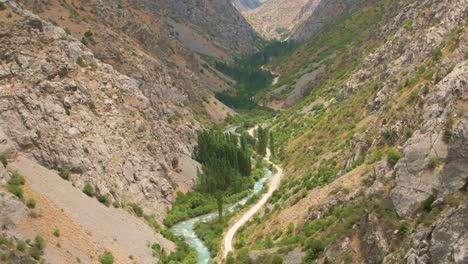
(375, 157)
(331, 52)
(151, 112)
(278, 18)
(65, 108)
(321, 15)
(244, 5)
(219, 21)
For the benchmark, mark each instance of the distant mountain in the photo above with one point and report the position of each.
(244, 5)
(279, 18)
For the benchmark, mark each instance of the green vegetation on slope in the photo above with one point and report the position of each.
(338, 47)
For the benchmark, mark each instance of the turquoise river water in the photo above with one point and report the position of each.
(187, 228)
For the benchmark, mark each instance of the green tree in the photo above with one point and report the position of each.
(224, 164)
(262, 135)
(272, 145)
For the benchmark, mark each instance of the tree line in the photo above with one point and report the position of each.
(224, 164)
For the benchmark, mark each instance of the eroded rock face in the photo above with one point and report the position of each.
(219, 20)
(323, 14)
(415, 179)
(63, 107)
(7, 149)
(373, 239)
(12, 210)
(450, 239)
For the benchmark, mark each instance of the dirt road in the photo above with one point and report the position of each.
(272, 186)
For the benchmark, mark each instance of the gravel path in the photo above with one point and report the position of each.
(109, 227)
(272, 186)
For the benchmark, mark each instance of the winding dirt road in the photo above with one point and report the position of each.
(273, 184)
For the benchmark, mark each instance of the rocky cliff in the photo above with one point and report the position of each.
(279, 18)
(65, 108)
(219, 21)
(323, 14)
(151, 55)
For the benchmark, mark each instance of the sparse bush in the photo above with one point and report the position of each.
(67, 30)
(17, 190)
(16, 179)
(85, 42)
(103, 199)
(437, 54)
(31, 203)
(21, 246)
(88, 190)
(427, 204)
(106, 258)
(433, 162)
(393, 156)
(448, 132)
(404, 228)
(35, 253)
(4, 161)
(39, 243)
(137, 209)
(56, 232)
(88, 34)
(315, 247)
(80, 60)
(64, 173)
(2, 6)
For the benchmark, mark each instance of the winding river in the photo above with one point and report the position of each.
(187, 228)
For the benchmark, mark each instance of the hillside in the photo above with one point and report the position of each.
(278, 18)
(375, 155)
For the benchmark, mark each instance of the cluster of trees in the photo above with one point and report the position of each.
(271, 50)
(250, 79)
(262, 135)
(265, 138)
(224, 164)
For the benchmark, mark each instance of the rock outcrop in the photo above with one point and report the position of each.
(279, 18)
(219, 20)
(322, 14)
(63, 107)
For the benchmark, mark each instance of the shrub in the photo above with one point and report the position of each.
(433, 162)
(16, 179)
(106, 258)
(35, 253)
(88, 190)
(315, 248)
(427, 204)
(80, 61)
(103, 199)
(21, 246)
(17, 190)
(4, 161)
(276, 259)
(404, 228)
(56, 232)
(2, 6)
(393, 156)
(67, 30)
(137, 209)
(88, 34)
(447, 135)
(85, 42)
(64, 172)
(39, 242)
(31, 203)
(436, 54)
